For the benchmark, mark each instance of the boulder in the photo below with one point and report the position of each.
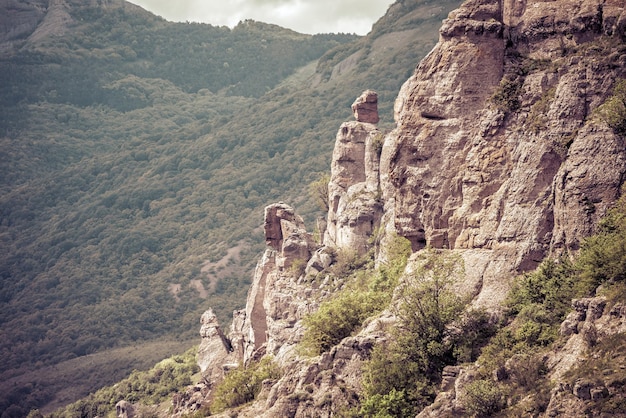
(365, 107)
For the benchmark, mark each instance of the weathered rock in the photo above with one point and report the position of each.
(214, 349)
(320, 261)
(582, 389)
(354, 192)
(521, 179)
(275, 300)
(285, 233)
(124, 409)
(365, 107)
(495, 156)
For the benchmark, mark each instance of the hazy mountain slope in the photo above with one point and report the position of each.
(133, 159)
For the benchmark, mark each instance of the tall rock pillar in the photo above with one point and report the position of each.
(354, 192)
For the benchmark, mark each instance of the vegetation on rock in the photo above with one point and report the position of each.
(243, 384)
(613, 110)
(366, 291)
(403, 372)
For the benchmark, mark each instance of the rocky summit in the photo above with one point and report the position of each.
(499, 155)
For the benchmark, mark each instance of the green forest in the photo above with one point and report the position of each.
(137, 155)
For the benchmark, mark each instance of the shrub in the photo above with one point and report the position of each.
(428, 305)
(506, 97)
(602, 257)
(613, 110)
(483, 398)
(540, 300)
(475, 331)
(243, 384)
(337, 318)
(367, 294)
(318, 189)
(411, 362)
(395, 404)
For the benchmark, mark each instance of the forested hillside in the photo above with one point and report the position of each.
(137, 156)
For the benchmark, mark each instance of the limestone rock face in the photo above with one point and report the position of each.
(496, 149)
(285, 233)
(354, 188)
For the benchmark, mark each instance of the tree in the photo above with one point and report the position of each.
(406, 369)
(319, 191)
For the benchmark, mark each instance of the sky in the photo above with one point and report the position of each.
(305, 16)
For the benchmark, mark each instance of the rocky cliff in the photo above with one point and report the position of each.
(498, 155)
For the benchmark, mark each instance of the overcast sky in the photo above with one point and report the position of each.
(305, 16)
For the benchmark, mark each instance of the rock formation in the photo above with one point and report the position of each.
(365, 107)
(497, 156)
(275, 303)
(124, 409)
(354, 188)
(215, 349)
(495, 140)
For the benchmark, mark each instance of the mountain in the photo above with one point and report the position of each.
(137, 158)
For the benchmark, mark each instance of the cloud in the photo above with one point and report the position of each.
(306, 16)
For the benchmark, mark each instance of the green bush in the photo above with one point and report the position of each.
(410, 363)
(395, 404)
(368, 292)
(540, 300)
(506, 97)
(428, 304)
(613, 110)
(483, 398)
(318, 190)
(243, 384)
(337, 318)
(602, 257)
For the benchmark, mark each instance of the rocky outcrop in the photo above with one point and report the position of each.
(124, 409)
(276, 300)
(354, 189)
(365, 107)
(282, 291)
(496, 151)
(214, 350)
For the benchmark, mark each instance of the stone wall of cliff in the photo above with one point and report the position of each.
(497, 153)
